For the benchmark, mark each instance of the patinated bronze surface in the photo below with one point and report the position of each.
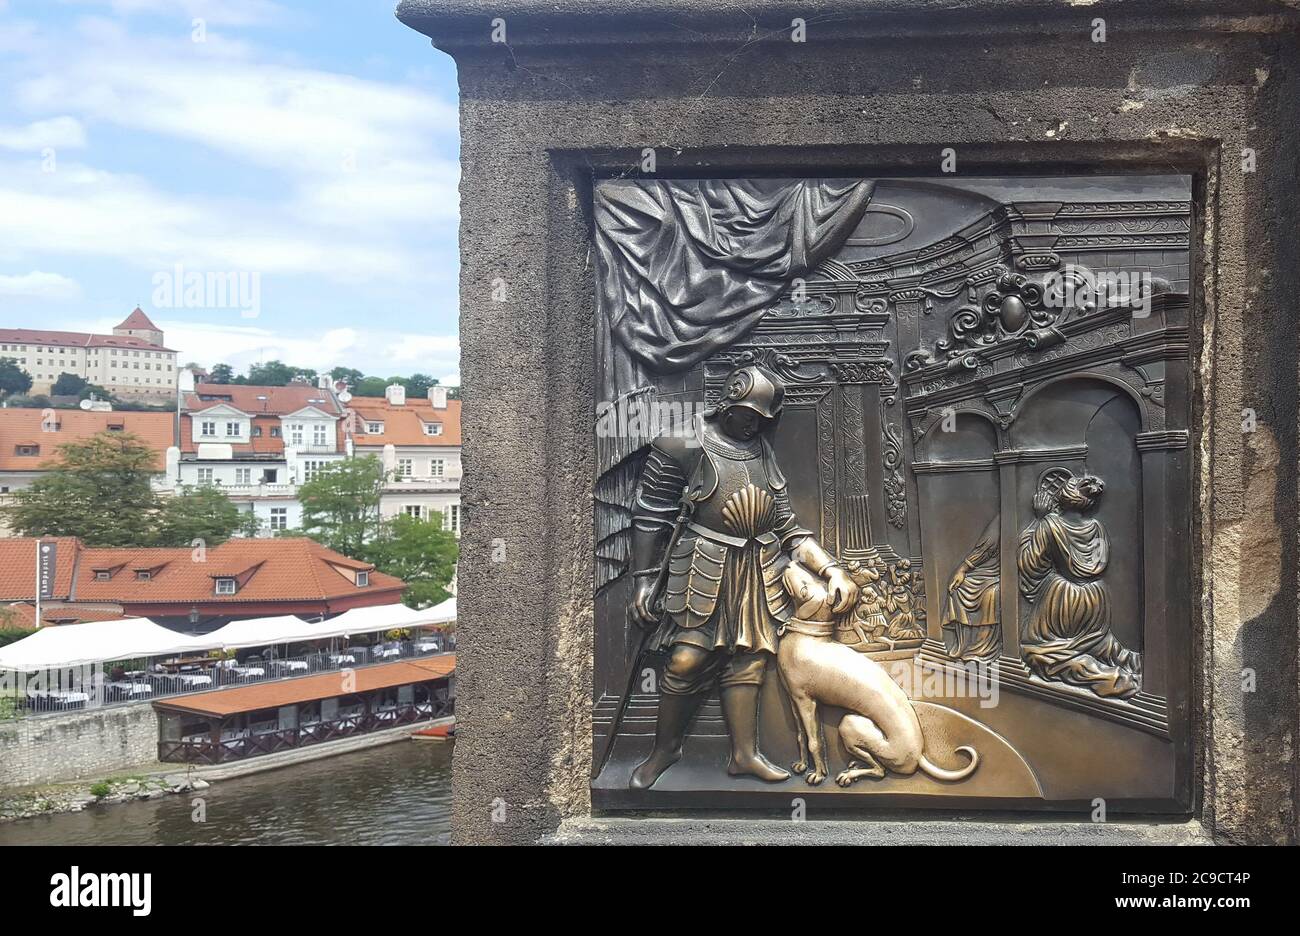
(893, 488)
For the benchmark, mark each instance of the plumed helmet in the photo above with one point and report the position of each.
(755, 387)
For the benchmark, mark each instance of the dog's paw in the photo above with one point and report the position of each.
(798, 766)
(813, 777)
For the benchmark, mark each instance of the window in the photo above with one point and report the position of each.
(225, 586)
(279, 518)
(143, 575)
(27, 450)
(404, 467)
(205, 476)
(437, 467)
(275, 432)
(363, 579)
(318, 434)
(208, 429)
(433, 429)
(103, 575)
(257, 432)
(295, 434)
(414, 510)
(243, 475)
(232, 429)
(311, 468)
(375, 428)
(451, 518)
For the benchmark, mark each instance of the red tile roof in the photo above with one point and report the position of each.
(18, 567)
(404, 425)
(267, 695)
(75, 339)
(28, 427)
(269, 401)
(22, 615)
(277, 569)
(137, 319)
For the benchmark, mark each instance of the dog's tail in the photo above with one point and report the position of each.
(952, 775)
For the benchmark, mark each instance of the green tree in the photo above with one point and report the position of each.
(350, 374)
(271, 374)
(99, 490)
(419, 552)
(417, 385)
(221, 373)
(68, 385)
(340, 505)
(204, 513)
(370, 386)
(14, 381)
(94, 390)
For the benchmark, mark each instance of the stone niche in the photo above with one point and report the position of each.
(1030, 298)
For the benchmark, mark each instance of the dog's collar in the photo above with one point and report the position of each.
(808, 628)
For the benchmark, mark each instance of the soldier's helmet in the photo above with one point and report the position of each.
(754, 387)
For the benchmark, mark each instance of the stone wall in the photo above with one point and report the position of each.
(579, 90)
(77, 745)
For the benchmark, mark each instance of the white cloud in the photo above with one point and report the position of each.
(39, 285)
(57, 132)
(365, 169)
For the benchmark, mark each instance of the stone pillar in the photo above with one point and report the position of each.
(571, 95)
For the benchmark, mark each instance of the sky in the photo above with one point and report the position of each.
(267, 179)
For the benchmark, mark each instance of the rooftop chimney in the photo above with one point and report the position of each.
(438, 397)
(395, 394)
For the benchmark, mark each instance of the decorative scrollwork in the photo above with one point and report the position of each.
(895, 486)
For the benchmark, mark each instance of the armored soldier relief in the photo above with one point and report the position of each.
(891, 486)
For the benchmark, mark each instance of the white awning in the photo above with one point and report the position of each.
(68, 645)
(386, 617)
(261, 632)
(98, 641)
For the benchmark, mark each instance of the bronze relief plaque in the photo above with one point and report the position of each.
(892, 497)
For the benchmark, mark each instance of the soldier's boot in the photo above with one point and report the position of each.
(740, 709)
(674, 713)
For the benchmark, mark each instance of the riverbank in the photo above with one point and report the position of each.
(155, 781)
(397, 794)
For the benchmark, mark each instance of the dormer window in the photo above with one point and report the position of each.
(433, 429)
(363, 579)
(27, 450)
(103, 575)
(225, 586)
(143, 575)
(375, 428)
(208, 429)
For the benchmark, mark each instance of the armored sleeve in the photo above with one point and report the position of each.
(787, 524)
(658, 493)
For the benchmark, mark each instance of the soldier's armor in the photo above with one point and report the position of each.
(724, 587)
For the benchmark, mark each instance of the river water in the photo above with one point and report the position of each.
(395, 794)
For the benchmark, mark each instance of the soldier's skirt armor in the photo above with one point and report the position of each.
(724, 590)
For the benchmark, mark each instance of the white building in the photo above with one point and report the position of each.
(131, 363)
(258, 444)
(418, 442)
